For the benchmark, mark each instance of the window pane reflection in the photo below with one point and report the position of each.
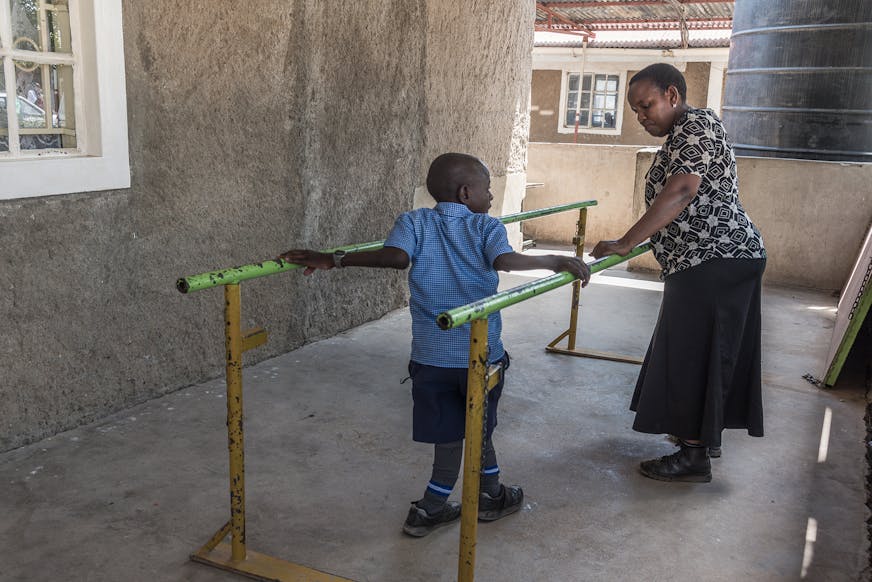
(573, 82)
(597, 100)
(41, 26)
(572, 101)
(4, 121)
(46, 119)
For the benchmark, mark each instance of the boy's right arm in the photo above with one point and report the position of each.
(557, 263)
(385, 258)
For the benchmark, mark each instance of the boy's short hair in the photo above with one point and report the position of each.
(448, 172)
(663, 75)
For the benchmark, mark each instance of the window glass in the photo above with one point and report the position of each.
(45, 120)
(44, 94)
(600, 84)
(596, 100)
(596, 118)
(62, 100)
(572, 101)
(4, 122)
(41, 25)
(573, 82)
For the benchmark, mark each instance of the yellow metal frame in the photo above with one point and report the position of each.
(572, 332)
(481, 378)
(235, 557)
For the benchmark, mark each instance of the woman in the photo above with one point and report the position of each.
(702, 370)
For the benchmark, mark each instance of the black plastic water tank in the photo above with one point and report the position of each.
(799, 79)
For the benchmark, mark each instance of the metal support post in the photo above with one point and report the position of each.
(480, 379)
(235, 557)
(578, 241)
(235, 440)
(572, 333)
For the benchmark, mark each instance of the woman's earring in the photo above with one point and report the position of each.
(673, 105)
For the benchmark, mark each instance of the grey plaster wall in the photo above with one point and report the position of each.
(253, 128)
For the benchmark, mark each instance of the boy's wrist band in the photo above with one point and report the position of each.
(337, 258)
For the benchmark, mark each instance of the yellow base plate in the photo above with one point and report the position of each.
(595, 354)
(262, 567)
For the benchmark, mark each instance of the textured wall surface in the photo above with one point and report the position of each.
(478, 58)
(253, 128)
(813, 215)
(573, 172)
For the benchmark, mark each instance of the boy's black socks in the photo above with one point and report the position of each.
(446, 468)
(490, 470)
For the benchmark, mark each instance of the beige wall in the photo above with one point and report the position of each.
(571, 173)
(545, 108)
(813, 215)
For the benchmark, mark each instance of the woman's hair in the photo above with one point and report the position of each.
(663, 75)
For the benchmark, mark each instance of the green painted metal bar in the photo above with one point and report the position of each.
(531, 214)
(271, 267)
(274, 266)
(484, 307)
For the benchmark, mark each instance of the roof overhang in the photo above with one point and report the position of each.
(587, 22)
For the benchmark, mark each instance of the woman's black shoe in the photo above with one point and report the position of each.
(689, 464)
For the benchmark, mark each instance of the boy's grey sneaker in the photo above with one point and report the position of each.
(420, 523)
(507, 502)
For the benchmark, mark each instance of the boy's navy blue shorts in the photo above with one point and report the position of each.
(439, 396)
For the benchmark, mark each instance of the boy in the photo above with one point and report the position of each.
(455, 251)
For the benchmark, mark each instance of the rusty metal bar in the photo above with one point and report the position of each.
(476, 390)
(578, 241)
(235, 440)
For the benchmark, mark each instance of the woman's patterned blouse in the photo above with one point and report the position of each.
(714, 225)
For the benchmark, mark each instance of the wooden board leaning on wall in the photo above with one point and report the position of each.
(853, 309)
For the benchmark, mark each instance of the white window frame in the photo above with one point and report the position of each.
(101, 161)
(564, 92)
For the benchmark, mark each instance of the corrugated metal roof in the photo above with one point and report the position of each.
(630, 10)
(590, 17)
(665, 39)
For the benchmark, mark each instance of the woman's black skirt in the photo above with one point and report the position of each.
(702, 370)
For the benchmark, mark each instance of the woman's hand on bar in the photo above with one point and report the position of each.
(312, 260)
(605, 248)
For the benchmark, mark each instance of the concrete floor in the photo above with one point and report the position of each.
(331, 467)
